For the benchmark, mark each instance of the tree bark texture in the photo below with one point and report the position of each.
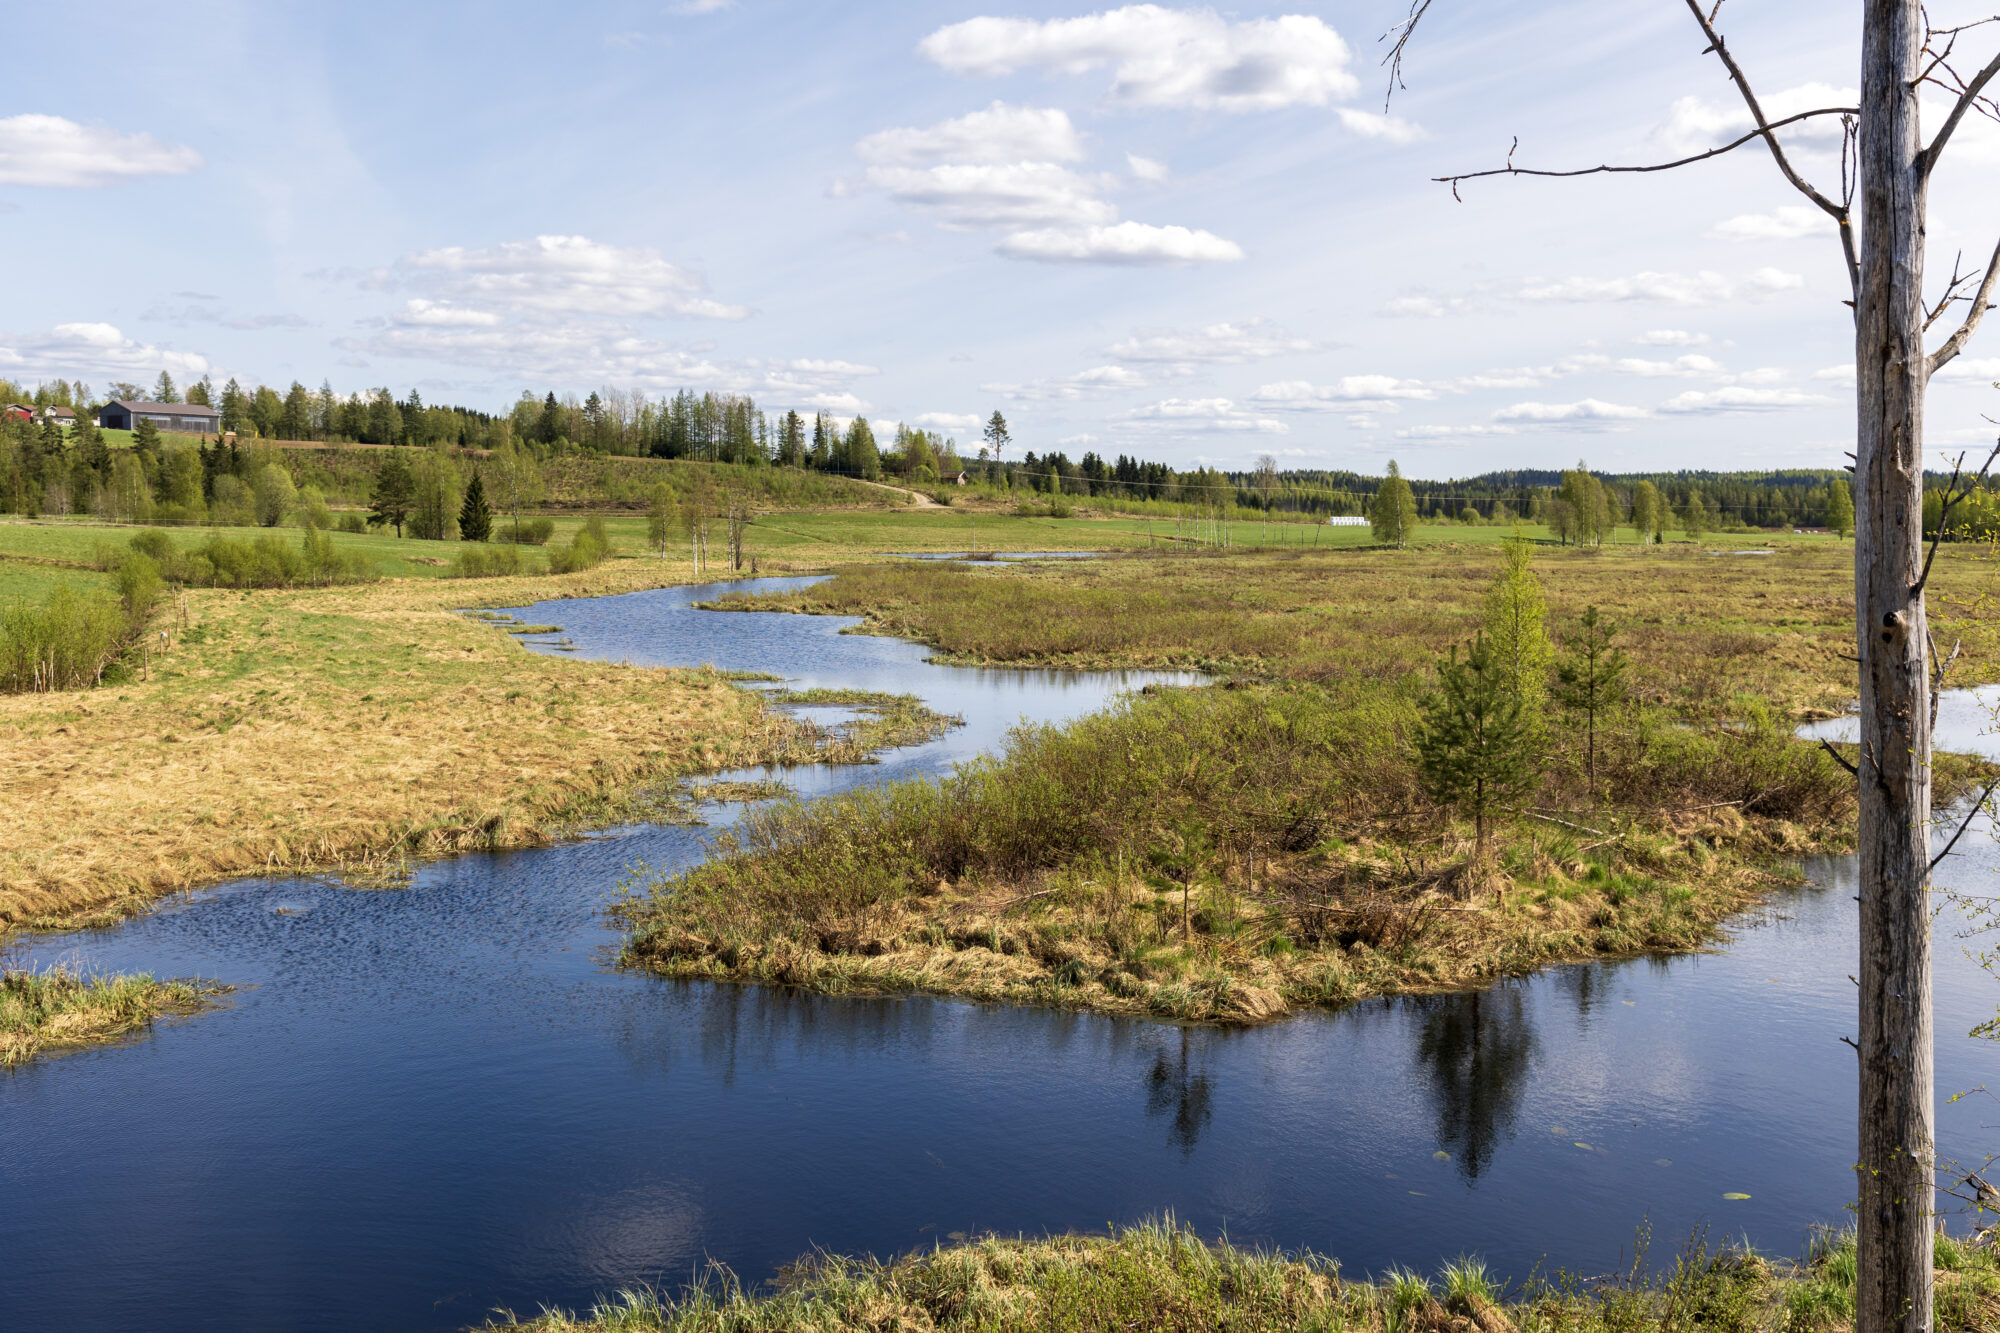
(1895, 1199)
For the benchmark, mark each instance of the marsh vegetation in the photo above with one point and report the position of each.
(53, 1008)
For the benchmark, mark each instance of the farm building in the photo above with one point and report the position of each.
(62, 416)
(17, 412)
(187, 418)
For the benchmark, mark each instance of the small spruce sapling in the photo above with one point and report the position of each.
(1473, 745)
(475, 516)
(395, 493)
(1589, 682)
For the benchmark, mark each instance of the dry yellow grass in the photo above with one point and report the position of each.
(343, 728)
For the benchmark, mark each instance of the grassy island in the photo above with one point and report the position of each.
(1231, 853)
(55, 1008)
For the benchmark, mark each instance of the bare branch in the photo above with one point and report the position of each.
(1402, 32)
(1982, 301)
(1966, 101)
(1970, 815)
(1939, 670)
(1839, 758)
(1511, 170)
(1951, 296)
(1952, 496)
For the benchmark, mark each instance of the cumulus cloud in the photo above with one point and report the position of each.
(1000, 134)
(1671, 338)
(1423, 307)
(1840, 374)
(1122, 243)
(1789, 222)
(1695, 124)
(963, 423)
(94, 350)
(1145, 168)
(1737, 398)
(1685, 289)
(1350, 393)
(1205, 414)
(1009, 194)
(558, 276)
(1093, 383)
(1161, 57)
(52, 151)
(1961, 368)
(1212, 344)
(1692, 366)
(1447, 433)
(1517, 377)
(1011, 168)
(1586, 414)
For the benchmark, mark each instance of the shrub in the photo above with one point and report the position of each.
(586, 550)
(353, 523)
(487, 562)
(63, 644)
(272, 493)
(528, 532)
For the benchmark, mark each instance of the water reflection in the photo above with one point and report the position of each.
(1477, 1050)
(1179, 1091)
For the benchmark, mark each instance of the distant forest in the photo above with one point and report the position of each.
(731, 428)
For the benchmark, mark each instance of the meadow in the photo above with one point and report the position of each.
(1162, 1276)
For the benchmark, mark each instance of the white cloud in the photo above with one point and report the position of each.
(1001, 134)
(1840, 374)
(1519, 377)
(1371, 126)
(1685, 289)
(558, 276)
(1011, 194)
(1789, 222)
(1213, 344)
(1693, 366)
(1145, 168)
(1454, 432)
(696, 8)
(1095, 382)
(1694, 125)
(1586, 414)
(94, 350)
(1739, 399)
(1424, 307)
(1163, 57)
(443, 314)
(51, 151)
(1350, 393)
(1122, 243)
(1671, 338)
(1702, 288)
(1206, 414)
(1961, 368)
(963, 423)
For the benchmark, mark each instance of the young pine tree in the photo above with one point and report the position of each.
(475, 516)
(1474, 748)
(1513, 622)
(1590, 681)
(395, 492)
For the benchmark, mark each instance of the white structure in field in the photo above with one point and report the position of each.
(1347, 523)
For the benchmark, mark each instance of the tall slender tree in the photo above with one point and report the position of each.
(1473, 744)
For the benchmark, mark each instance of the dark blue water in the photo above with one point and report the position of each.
(430, 1102)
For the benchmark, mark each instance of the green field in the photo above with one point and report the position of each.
(23, 581)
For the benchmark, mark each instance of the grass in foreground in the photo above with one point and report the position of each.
(57, 1008)
(1160, 1276)
(348, 729)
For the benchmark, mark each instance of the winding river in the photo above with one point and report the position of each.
(428, 1103)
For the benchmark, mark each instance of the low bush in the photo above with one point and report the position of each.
(527, 532)
(586, 550)
(480, 561)
(63, 644)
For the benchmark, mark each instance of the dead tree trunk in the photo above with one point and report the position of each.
(1895, 1202)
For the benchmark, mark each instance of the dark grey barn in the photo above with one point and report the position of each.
(186, 418)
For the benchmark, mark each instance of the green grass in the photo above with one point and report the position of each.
(1163, 1276)
(24, 581)
(55, 1008)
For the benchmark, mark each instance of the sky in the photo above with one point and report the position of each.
(1183, 233)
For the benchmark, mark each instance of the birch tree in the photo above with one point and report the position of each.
(1886, 162)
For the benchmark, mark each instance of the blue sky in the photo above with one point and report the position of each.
(1185, 233)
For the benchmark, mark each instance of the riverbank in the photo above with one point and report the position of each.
(1160, 1276)
(57, 1009)
(353, 730)
(1231, 854)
